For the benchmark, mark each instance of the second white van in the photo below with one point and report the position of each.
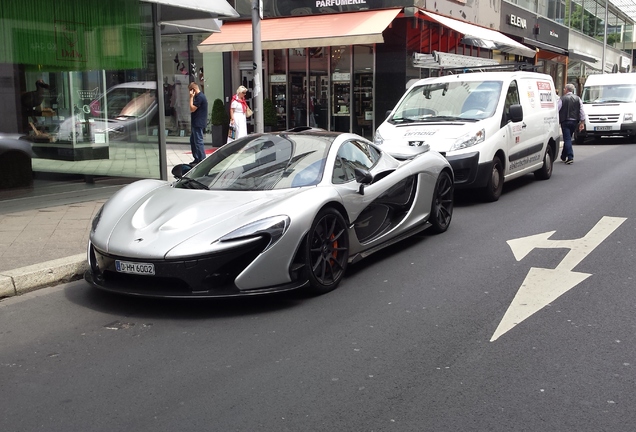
(491, 126)
(609, 102)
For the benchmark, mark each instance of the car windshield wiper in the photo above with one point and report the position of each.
(192, 182)
(403, 120)
(609, 101)
(445, 118)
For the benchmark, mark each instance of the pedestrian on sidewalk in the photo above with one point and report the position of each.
(571, 118)
(198, 121)
(238, 111)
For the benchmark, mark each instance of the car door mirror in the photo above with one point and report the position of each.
(180, 170)
(363, 177)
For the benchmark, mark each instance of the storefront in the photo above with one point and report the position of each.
(343, 71)
(549, 39)
(80, 85)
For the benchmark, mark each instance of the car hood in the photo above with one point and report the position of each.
(152, 223)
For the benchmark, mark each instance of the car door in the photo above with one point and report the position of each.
(517, 133)
(373, 209)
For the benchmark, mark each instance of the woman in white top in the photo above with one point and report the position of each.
(238, 108)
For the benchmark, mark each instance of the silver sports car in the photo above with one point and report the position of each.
(266, 213)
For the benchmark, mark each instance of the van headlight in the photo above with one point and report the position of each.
(469, 140)
(377, 139)
(629, 117)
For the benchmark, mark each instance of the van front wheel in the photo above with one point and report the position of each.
(493, 189)
(545, 172)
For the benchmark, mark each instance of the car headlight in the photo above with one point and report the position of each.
(629, 117)
(273, 227)
(377, 139)
(469, 140)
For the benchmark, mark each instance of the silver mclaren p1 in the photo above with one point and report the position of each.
(266, 213)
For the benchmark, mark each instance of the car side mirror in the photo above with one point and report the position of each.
(180, 170)
(387, 114)
(363, 177)
(516, 113)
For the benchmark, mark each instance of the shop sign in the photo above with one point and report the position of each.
(553, 33)
(341, 76)
(517, 21)
(277, 78)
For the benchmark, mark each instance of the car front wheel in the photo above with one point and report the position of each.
(327, 251)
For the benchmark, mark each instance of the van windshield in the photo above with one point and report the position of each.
(465, 101)
(616, 93)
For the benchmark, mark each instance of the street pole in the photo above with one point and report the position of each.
(257, 94)
(604, 37)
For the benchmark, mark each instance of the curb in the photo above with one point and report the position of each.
(30, 278)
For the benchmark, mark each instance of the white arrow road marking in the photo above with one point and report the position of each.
(543, 286)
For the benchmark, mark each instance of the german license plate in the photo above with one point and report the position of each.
(135, 267)
(602, 128)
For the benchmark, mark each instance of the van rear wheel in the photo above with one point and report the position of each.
(545, 172)
(493, 189)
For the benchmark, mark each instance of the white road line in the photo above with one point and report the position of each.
(543, 286)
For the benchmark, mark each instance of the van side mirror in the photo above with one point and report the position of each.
(516, 113)
(387, 114)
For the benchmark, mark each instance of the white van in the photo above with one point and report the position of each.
(491, 126)
(609, 102)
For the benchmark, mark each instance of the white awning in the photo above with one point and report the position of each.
(482, 37)
(206, 25)
(216, 8)
(192, 16)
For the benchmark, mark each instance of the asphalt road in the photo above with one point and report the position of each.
(407, 343)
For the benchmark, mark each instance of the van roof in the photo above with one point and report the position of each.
(486, 76)
(617, 78)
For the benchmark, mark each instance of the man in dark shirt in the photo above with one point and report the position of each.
(571, 117)
(198, 121)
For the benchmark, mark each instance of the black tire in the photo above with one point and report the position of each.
(493, 188)
(327, 251)
(442, 206)
(545, 172)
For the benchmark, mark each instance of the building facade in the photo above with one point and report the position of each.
(99, 89)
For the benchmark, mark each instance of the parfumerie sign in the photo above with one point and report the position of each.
(327, 3)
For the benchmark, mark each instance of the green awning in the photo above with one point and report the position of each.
(72, 35)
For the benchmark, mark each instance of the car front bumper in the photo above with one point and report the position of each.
(204, 276)
(469, 173)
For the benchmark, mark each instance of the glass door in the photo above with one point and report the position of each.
(341, 89)
(298, 87)
(318, 87)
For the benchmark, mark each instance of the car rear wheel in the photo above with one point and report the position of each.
(493, 189)
(442, 206)
(327, 251)
(545, 172)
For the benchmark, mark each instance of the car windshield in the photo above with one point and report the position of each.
(449, 101)
(615, 93)
(262, 162)
(123, 102)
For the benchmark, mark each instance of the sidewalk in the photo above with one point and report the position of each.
(44, 235)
